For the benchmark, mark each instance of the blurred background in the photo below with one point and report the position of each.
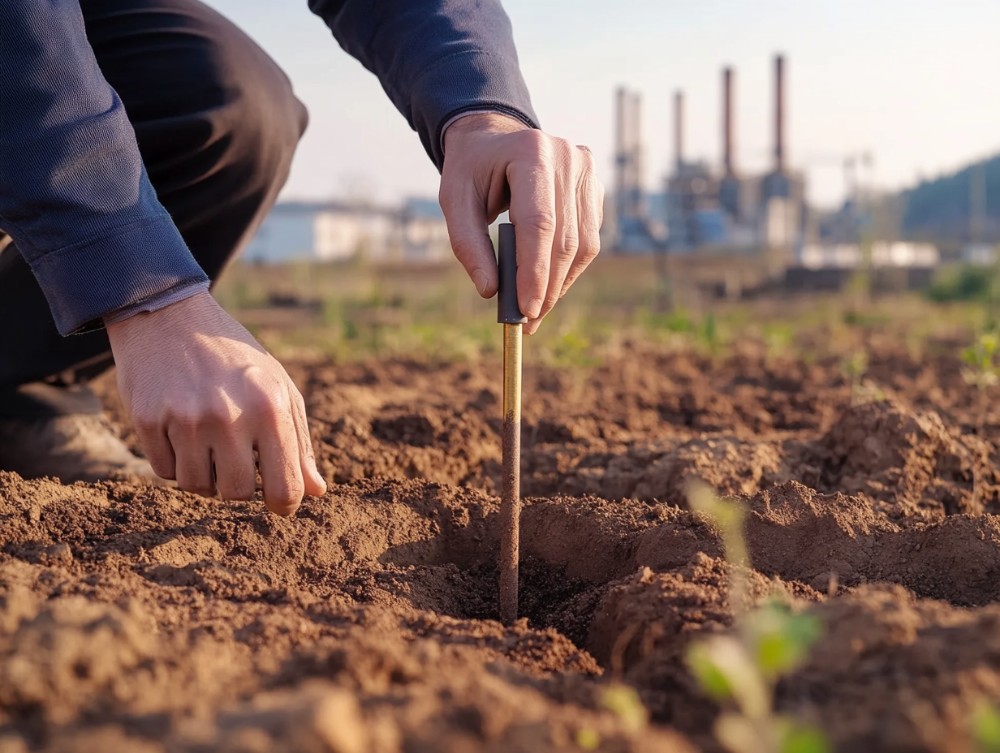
(841, 150)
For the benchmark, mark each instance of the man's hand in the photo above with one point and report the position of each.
(203, 395)
(556, 203)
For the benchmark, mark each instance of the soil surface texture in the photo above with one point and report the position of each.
(150, 620)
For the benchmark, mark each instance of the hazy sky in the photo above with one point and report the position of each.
(916, 82)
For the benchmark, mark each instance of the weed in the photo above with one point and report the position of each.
(742, 668)
(624, 702)
(588, 738)
(854, 368)
(985, 728)
(982, 367)
(573, 348)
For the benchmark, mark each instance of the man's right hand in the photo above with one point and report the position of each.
(203, 395)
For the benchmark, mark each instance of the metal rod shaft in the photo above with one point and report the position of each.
(510, 495)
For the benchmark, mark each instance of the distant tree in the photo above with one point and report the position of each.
(942, 209)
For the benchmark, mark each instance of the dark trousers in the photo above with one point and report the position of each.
(217, 125)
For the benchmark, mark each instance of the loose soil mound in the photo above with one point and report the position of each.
(147, 619)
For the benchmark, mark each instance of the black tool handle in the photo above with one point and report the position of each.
(508, 311)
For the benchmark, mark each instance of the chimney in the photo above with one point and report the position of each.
(636, 151)
(727, 121)
(679, 129)
(779, 113)
(621, 150)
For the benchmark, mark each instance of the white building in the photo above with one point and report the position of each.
(331, 231)
(883, 254)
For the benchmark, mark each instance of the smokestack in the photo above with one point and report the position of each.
(621, 150)
(779, 113)
(727, 121)
(636, 149)
(679, 128)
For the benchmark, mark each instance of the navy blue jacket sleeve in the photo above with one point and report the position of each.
(434, 58)
(74, 194)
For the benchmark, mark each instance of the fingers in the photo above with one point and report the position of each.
(557, 210)
(280, 471)
(590, 213)
(194, 466)
(314, 483)
(465, 216)
(215, 450)
(533, 212)
(235, 470)
(555, 202)
(567, 235)
(156, 446)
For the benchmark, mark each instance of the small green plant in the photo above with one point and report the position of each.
(709, 333)
(676, 321)
(778, 338)
(741, 669)
(854, 368)
(622, 701)
(985, 728)
(573, 349)
(981, 363)
(588, 738)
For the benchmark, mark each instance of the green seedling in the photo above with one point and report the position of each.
(740, 670)
(728, 517)
(622, 701)
(985, 728)
(588, 738)
(981, 367)
(854, 369)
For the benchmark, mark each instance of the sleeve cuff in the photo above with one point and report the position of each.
(471, 81)
(141, 265)
(161, 301)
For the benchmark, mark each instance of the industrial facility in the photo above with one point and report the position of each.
(705, 208)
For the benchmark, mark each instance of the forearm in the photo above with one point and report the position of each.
(74, 194)
(434, 58)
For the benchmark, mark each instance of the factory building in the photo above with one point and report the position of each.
(720, 210)
(635, 227)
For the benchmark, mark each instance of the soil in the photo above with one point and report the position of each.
(147, 619)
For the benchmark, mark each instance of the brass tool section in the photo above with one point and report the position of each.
(509, 314)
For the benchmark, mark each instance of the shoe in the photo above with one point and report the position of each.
(76, 447)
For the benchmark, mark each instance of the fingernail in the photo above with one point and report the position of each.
(480, 280)
(318, 477)
(533, 309)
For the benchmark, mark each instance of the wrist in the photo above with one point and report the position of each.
(157, 303)
(184, 312)
(473, 123)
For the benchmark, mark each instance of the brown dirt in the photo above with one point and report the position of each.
(151, 620)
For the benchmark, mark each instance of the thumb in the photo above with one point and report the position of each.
(470, 238)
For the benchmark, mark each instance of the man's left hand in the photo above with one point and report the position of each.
(494, 162)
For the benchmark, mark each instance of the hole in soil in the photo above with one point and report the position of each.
(544, 593)
(570, 552)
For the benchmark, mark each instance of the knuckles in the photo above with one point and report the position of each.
(543, 221)
(570, 245)
(266, 402)
(463, 249)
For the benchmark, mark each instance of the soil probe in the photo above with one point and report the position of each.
(510, 316)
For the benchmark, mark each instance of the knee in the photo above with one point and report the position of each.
(263, 124)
